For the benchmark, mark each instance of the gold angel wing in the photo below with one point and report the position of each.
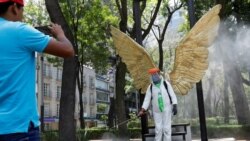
(191, 55)
(135, 57)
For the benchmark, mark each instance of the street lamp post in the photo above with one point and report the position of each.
(200, 98)
(42, 96)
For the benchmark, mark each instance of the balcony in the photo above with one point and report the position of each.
(47, 97)
(102, 89)
(103, 101)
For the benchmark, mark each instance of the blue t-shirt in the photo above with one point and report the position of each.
(18, 104)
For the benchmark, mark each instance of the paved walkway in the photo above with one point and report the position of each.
(222, 139)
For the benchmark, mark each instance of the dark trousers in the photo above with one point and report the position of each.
(32, 135)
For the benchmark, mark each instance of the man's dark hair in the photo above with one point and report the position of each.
(4, 6)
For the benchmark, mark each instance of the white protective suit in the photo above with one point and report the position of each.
(162, 119)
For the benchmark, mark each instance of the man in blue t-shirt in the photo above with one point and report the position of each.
(19, 119)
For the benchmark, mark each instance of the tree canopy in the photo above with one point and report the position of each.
(89, 21)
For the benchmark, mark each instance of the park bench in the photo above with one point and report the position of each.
(181, 129)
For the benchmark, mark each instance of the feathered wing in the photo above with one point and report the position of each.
(192, 53)
(135, 57)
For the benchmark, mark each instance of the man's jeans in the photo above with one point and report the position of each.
(32, 135)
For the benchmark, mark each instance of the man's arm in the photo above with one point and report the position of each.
(60, 47)
(147, 99)
(146, 102)
(173, 97)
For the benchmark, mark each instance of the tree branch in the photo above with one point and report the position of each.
(146, 31)
(169, 19)
(143, 6)
(124, 15)
(119, 7)
(245, 81)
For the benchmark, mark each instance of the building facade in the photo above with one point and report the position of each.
(88, 98)
(49, 80)
(102, 99)
(95, 95)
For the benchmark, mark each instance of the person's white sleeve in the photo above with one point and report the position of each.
(147, 99)
(172, 94)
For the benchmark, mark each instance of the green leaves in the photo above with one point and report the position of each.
(89, 21)
(35, 13)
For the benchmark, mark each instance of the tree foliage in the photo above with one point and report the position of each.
(35, 13)
(89, 21)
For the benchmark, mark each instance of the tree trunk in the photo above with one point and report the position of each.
(67, 126)
(235, 80)
(160, 55)
(120, 102)
(226, 101)
(239, 96)
(231, 69)
(208, 100)
(111, 114)
(80, 83)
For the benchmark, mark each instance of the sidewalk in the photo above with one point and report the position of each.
(221, 139)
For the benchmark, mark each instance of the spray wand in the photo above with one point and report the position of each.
(123, 122)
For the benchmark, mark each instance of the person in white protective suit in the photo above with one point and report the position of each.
(164, 103)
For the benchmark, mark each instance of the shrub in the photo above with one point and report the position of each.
(223, 131)
(134, 124)
(135, 132)
(50, 136)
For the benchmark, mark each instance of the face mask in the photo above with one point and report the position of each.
(156, 78)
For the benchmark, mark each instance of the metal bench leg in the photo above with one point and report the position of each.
(184, 137)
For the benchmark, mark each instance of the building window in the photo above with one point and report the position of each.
(84, 81)
(91, 111)
(46, 70)
(46, 110)
(85, 101)
(101, 84)
(57, 110)
(104, 97)
(91, 82)
(58, 92)
(91, 99)
(111, 89)
(85, 113)
(46, 88)
(59, 74)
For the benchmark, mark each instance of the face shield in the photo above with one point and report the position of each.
(156, 78)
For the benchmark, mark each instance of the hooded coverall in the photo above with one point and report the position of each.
(162, 119)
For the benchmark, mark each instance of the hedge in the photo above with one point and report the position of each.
(92, 133)
(224, 131)
(213, 131)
